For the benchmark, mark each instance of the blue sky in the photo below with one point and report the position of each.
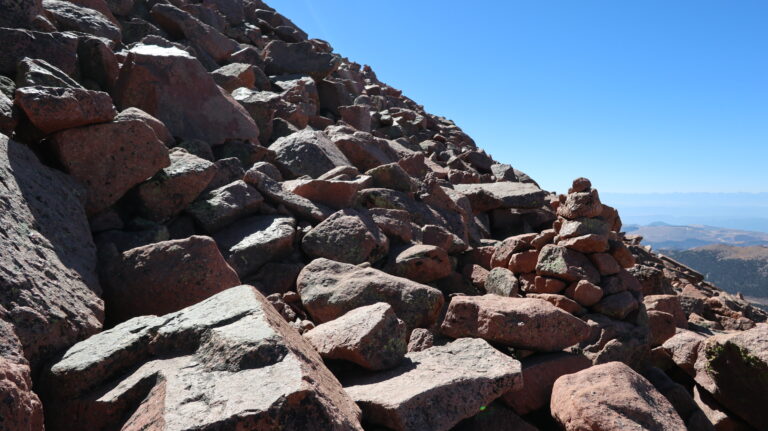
(639, 96)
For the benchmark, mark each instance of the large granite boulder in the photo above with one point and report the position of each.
(329, 289)
(307, 153)
(524, 323)
(436, 388)
(50, 289)
(229, 362)
(346, 236)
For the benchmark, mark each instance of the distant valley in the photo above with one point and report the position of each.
(671, 237)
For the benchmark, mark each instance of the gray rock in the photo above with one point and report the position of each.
(281, 58)
(35, 71)
(299, 206)
(220, 207)
(71, 17)
(251, 242)
(58, 49)
(502, 282)
(349, 236)
(489, 196)
(566, 264)
(307, 153)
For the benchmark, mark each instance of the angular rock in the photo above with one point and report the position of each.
(71, 17)
(545, 285)
(357, 116)
(36, 72)
(504, 250)
(391, 176)
(50, 290)
(236, 75)
(539, 375)
(502, 282)
(524, 261)
(489, 196)
(196, 368)
(581, 205)
(494, 417)
(683, 348)
(20, 407)
(202, 37)
(583, 226)
(164, 277)
(348, 236)
(661, 327)
(221, 207)
(668, 304)
(183, 96)
(611, 397)
(307, 153)
(566, 264)
(436, 388)
(175, 187)
(333, 193)
(371, 336)
(587, 243)
(281, 58)
(560, 301)
(733, 368)
(716, 416)
(58, 49)
(8, 116)
(299, 206)
(422, 263)
(24, 14)
(531, 324)
(251, 242)
(134, 154)
(157, 126)
(605, 263)
(329, 289)
(51, 109)
(585, 293)
(363, 150)
(617, 306)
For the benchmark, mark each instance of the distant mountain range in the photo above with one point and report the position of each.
(661, 235)
(733, 269)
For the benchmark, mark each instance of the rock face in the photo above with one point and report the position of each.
(531, 324)
(195, 369)
(734, 369)
(371, 336)
(50, 288)
(329, 289)
(611, 397)
(165, 277)
(346, 236)
(437, 387)
(171, 85)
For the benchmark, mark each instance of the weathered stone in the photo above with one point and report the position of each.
(394, 223)
(586, 243)
(202, 37)
(611, 397)
(502, 282)
(281, 58)
(668, 304)
(531, 324)
(717, 417)
(333, 193)
(505, 249)
(36, 72)
(8, 116)
(71, 17)
(422, 263)
(581, 227)
(58, 49)
(357, 116)
(20, 407)
(349, 236)
(496, 416)
(539, 374)
(605, 263)
(734, 369)
(363, 150)
(622, 254)
(171, 190)
(391, 176)
(683, 348)
(236, 75)
(299, 206)
(616, 306)
(164, 277)
(24, 14)
(565, 264)
(51, 109)
(50, 288)
(329, 289)
(307, 153)
(157, 126)
(545, 285)
(196, 368)
(437, 387)
(371, 336)
(581, 204)
(584, 292)
(489, 196)
(560, 301)
(251, 242)
(183, 96)
(661, 327)
(524, 261)
(220, 207)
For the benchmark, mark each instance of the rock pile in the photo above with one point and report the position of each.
(211, 221)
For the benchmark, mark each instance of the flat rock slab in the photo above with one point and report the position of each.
(611, 397)
(164, 277)
(329, 289)
(253, 241)
(371, 336)
(49, 284)
(524, 323)
(503, 194)
(436, 388)
(229, 362)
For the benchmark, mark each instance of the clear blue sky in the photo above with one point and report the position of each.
(639, 96)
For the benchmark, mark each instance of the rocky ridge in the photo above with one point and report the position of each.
(211, 221)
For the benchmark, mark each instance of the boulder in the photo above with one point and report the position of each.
(329, 289)
(349, 236)
(584, 292)
(24, 14)
(50, 290)
(364, 151)
(683, 348)
(221, 207)
(545, 285)
(605, 263)
(36, 72)
(51, 109)
(172, 189)
(502, 282)
(503, 194)
(301, 207)
(333, 193)
(560, 301)
(307, 153)
(173, 86)
(661, 327)
(236, 75)
(539, 375)
(583, 226)
(8, 115)
(357, 116)
(566, 264)
(617, 306)
(586, 243)
(505, 249)
(422, 263)
(253, 241)
(196, 368)
(392, 176)
(281, 58)
(58, 49)
(524, 261)
(577, 205)
(164, 277)
(611, 397)
(494, 417)
(734, 369)
(371, 336)
(20, 407)
(202, 37)
(71, 17)
(668, 304)
(522, 323)
(436, 388)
